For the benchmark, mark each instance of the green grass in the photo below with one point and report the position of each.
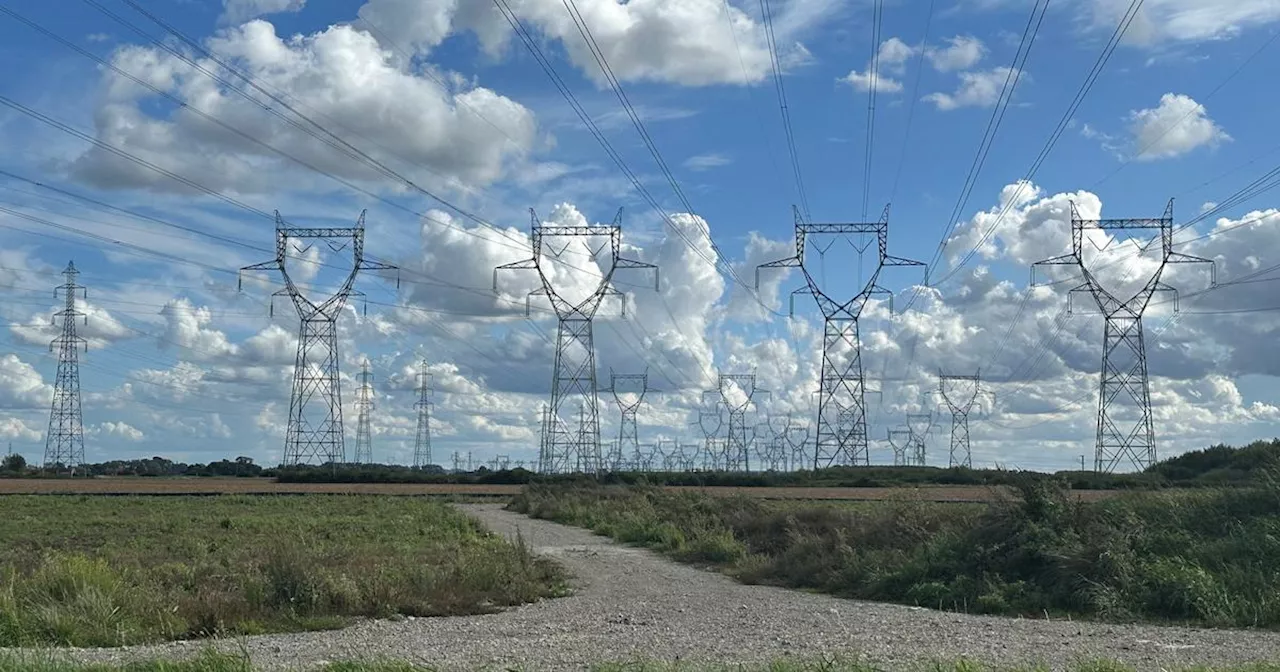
(108, 571)
(210, 661)
(1206, 557)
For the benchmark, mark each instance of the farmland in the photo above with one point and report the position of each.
(267, 486)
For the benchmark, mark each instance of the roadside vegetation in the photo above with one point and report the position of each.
(210, 661)
(1205, 556)
(109, 571)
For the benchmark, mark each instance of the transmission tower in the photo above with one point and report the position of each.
(1125, 428)
(737, 450)
(842, 386)
(960, 394)
(314, 432)
(64, 442)
(798, 442)
(919, 424)
(422, 446)
(710, 421)
(364, 411)
(628, 390)
(900, 440)
(574, 371)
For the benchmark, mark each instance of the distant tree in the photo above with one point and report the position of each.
(15, 463)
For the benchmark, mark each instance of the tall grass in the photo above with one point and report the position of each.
(86, 571)
(1206, 557)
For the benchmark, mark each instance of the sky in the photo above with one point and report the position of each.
(150, 142)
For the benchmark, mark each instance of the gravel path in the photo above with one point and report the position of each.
(631, 604)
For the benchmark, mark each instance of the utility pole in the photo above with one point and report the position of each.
(960, 394)
(628, 390)
(574, 371)
(364, 409)
(843, 387)
(422, 445)
(64, 442)
(314, 433)
(737, 447)
(1124, 434)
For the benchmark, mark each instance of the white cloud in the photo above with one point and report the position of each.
(893, 55)
(1161, 21)
(118, 429)
(1173, 128)
(17, 429)
(686, 42)
(239, 11)
(961, 53)
(21, 386)
(341, 76)
(977, 89)
(707, 161)
(865, 81)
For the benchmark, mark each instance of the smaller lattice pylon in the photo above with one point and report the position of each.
(919, 424)
(364, 419)
(422, 443)
(900, 441)
(961, 394)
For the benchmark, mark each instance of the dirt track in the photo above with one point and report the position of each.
(631, 604)
(246, 486)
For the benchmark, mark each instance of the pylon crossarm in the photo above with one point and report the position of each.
(1180, 258)
(609, 291)
(1165, 287)
(522, 265)
(890, 260)
(632, 263)
(787, 262)
(1063, 260)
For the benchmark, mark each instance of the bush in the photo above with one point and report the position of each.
(1204, 556)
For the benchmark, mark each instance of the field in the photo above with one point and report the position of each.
(1204, 557)
(212, 486)
(95, 571)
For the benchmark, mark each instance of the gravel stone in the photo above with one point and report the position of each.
(630, 604)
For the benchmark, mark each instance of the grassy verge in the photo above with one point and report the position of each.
(95, 571)
(1206, 557)
(215, 662)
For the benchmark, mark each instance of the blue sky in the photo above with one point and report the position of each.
(183, 365)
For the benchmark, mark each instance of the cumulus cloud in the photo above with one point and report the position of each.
(341, 76)
(977, 89)
(21, 386)
(1175, 127)
(239, 11)
(686, 42)
(892, 56)
(961, 53)
(118, 429)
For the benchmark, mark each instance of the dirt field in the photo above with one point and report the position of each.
(219, 486)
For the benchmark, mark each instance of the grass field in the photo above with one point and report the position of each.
(1206, 557)
(214, 485)
(107, 571)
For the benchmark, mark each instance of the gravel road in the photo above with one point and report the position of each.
(631, 604)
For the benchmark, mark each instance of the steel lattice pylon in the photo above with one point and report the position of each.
(919, 425)
(711, 421)
(737, 449)
(628, 390)
(1123, 380)
(565, 450)
(364, 412)
(900, 440)
(960, 394)
(842, 389)
(314, 433)
(422, 443)
(64, 442)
